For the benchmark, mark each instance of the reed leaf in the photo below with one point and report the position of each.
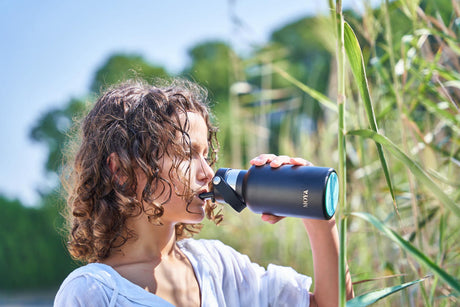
(355, 58)
(451, 120)
(342, 148)
(452, 83)
(374, 296)
(410, 249)
(321, 98)
(413, 166)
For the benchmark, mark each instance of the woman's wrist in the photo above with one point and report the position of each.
(315, 226)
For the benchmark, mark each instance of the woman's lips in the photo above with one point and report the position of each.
(205, 195)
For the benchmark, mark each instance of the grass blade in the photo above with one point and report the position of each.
(451, 120)
(413, 166)
(374, 296)
(410, 249)
(356, 61)
(324, 100)
(342, 148)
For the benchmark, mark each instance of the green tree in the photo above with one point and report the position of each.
(119, 67)
(32, 251)
(53, 127)
(51, 131)
(211, 65)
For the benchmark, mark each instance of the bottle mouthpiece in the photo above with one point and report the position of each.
(206, 195)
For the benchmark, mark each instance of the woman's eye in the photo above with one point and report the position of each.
(192, 154)
(209, 159)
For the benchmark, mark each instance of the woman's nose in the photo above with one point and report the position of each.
(206, 173)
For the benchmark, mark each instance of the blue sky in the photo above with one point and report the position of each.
(51, 49)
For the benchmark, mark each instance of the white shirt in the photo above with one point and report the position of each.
(225, 277)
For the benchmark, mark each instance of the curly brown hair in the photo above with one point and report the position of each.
(138, 124)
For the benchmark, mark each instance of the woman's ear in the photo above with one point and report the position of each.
(113, 163)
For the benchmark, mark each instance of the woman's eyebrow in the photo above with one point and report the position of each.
(197, 147)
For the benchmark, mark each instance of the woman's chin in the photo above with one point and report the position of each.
(195, 215)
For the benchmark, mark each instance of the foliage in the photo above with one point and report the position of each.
(51, 130)
(119, 67)
(210, 65)
(374, 296)
(403, 95)
(410, 96)
(32, 251)
(308, 55)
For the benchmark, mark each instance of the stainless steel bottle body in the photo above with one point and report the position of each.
(296, 191)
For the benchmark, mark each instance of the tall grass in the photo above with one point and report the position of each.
(395, 143)
(341, 146)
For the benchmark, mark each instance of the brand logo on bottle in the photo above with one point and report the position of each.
(305, 199)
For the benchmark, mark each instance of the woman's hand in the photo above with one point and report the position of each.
(277, 161)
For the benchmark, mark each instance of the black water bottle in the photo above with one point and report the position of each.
(289, 190)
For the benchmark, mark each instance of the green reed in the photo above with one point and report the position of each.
(342, 149)
(392, 129)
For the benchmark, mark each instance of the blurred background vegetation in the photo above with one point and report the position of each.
(282, 99)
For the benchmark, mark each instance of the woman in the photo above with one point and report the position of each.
(145, 156)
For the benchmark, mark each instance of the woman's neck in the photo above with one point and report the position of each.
(152, 243)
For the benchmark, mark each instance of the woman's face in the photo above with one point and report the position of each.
(193, 175)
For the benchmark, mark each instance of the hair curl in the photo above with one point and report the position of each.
(138, 124)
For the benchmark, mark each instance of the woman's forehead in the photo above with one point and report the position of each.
(195, 121)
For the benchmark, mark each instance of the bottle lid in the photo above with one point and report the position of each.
(332, 194)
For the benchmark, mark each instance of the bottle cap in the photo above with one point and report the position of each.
(332, 194)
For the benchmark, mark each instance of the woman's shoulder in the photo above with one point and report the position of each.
(98, 284)
(95, 272)
(204, 246)
(86, 284)
(213, 252)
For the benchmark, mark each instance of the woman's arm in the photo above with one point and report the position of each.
(324, 241)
